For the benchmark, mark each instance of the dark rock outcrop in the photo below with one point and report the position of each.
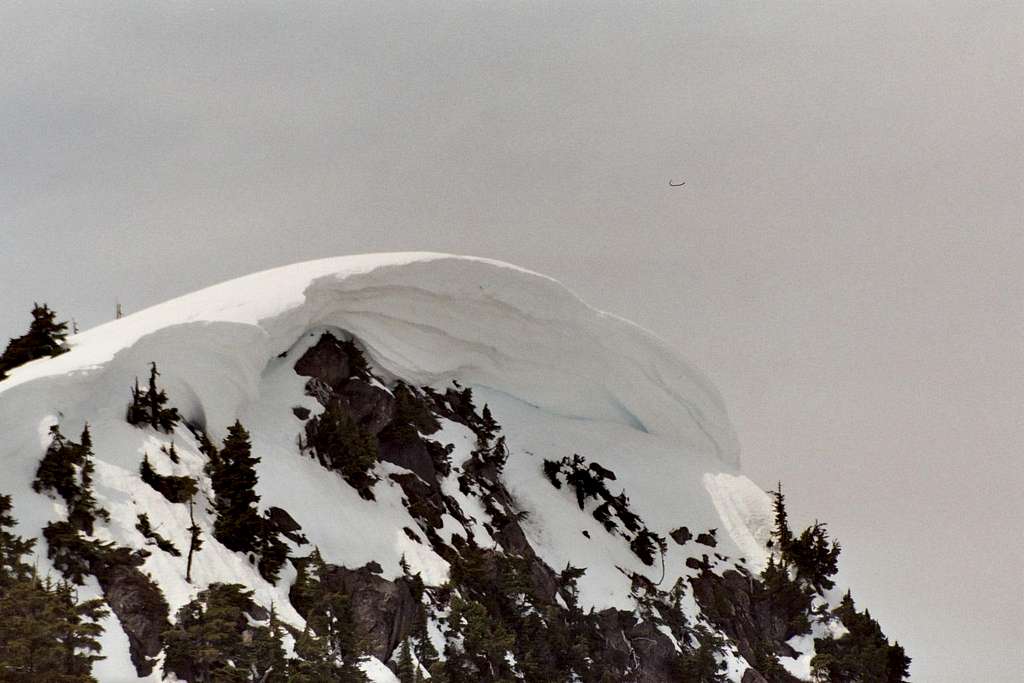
(707, 539)
(681, 535)
(284, 524)
(752, 676)
(756, 619)
(635, 650)
(327, 361)
(136, 601)
(384, 611)
(410, 453)
(372, 407)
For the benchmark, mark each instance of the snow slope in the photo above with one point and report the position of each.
(560, 377)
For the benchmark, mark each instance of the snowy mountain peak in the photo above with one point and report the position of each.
(402, 466)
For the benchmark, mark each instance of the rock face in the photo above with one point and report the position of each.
(136, 601)
(335, 376)
(758, 620)
(383, 611)
(327, 361)
(628, 647)
(752, 676)
(412, 454)
(636, 650)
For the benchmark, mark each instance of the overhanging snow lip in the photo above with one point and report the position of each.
(639, 374)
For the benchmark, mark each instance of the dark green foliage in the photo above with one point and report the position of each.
(813, 557)
(342, 445)
(268, 651)
(273, 552)
(143, 526)
(766, 661)
(863, 654)
(57, 470)
(67, 469)
(329, 647)
(491, 596)
(477, 645)
(46, 633)
(45, 337)
(148, 406)
(72, 554)
(213, 640)
(83, 509)
(782, 536)
(588, 482)
(239, 525)
(234, 478)
(788, 595)
(697, 661)
(13, 549)
(173, 488)
(407, 669)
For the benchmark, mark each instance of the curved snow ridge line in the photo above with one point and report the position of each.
(429, 318)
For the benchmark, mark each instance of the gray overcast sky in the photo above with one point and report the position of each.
(845, 259)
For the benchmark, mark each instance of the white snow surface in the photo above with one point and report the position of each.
(559, 376)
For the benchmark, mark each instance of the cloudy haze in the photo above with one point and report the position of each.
(845, 259)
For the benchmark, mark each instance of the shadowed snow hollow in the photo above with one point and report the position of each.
(426, 318)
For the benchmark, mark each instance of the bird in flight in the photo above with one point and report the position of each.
(671, 184)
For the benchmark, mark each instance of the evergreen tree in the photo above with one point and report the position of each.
(45, 337)
(313, 663)
(213, 639)
(698, 662)
(83, 508)
(342, 445)
(239, 525)
(148, 406)
(56, 471)
(331, 643)
(67, 469)
(13, 549)
(267, 663)
(814, 557)
(46, 633)
(234, 478)
(861, 654)
(407, 670)
(489, 427)
(782, 536)
(272, 550)
(478, 645)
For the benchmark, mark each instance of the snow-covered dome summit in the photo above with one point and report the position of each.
(426, 317)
